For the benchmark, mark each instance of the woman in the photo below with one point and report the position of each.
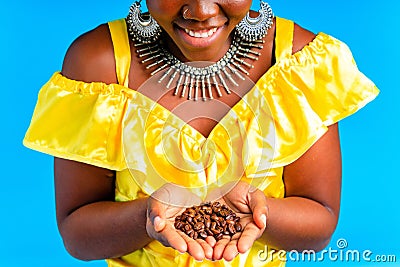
(122, 124)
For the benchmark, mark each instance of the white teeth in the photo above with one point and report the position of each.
(201, 33)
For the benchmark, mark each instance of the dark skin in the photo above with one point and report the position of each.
(94, 226)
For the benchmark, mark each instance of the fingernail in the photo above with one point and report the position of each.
(158, 224)
(264, 219)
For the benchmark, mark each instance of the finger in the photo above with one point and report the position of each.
(259, 208)
(211, 241)
(219, 248)
(231, 250)
(208, 250)
(250, 234)
(193, 247)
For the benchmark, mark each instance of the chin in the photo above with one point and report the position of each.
(208, 55)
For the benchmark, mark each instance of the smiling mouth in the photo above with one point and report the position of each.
(201, 33)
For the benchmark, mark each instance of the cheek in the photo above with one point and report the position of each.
(163, 8)
(164, 12)
(237, 10)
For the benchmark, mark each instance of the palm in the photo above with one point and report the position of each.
(163, 207)
(170, 201)
(238, 199)
(241, 209)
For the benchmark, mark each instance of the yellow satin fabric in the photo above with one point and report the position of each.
(112, 126)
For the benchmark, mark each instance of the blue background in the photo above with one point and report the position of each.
(34, 39)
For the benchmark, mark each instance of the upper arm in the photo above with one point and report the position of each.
(90, 58)
(316, 175)
(301, 37)
(78, 184)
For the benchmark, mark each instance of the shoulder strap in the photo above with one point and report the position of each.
(122, 53)
(284, 38)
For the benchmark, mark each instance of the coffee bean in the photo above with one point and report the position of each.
(218, 236)
(231, 229)
(230, 222)
(187, 227)
(238, 227)
(178, 224)
(198, 226)
(214, 217)
(203, 234)
(215, 231)
(229, 217)
(208, 219)
(209, 232)
(213, 226)
(222, 223)
(208, 210)
(223, 213)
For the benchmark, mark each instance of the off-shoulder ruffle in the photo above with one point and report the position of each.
(310, 90)
(79, 121)
(305, 93)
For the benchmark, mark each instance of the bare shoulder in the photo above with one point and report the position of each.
(90, 58)
(301, 38)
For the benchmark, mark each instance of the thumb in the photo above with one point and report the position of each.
(156, 214)
(159, 223)
(260, 220)
(259, 208)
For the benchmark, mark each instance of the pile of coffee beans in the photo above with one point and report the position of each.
(208, 219)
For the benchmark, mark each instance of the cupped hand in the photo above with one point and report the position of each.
(163, 206)
(250, 204)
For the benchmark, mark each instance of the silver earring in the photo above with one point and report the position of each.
(142, 27)
(253, 29)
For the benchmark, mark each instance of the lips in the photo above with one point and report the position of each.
(197, 37)
(199, 42)
(206, 33)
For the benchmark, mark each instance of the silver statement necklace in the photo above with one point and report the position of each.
(193, 81)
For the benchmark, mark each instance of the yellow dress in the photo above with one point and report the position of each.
(112, 126)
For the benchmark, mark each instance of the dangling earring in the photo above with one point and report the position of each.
(253, 29)
(142, 27)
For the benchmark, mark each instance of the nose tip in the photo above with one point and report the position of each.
(201, 10)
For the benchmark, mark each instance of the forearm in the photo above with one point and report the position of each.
(296, 223)
(105, 229)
